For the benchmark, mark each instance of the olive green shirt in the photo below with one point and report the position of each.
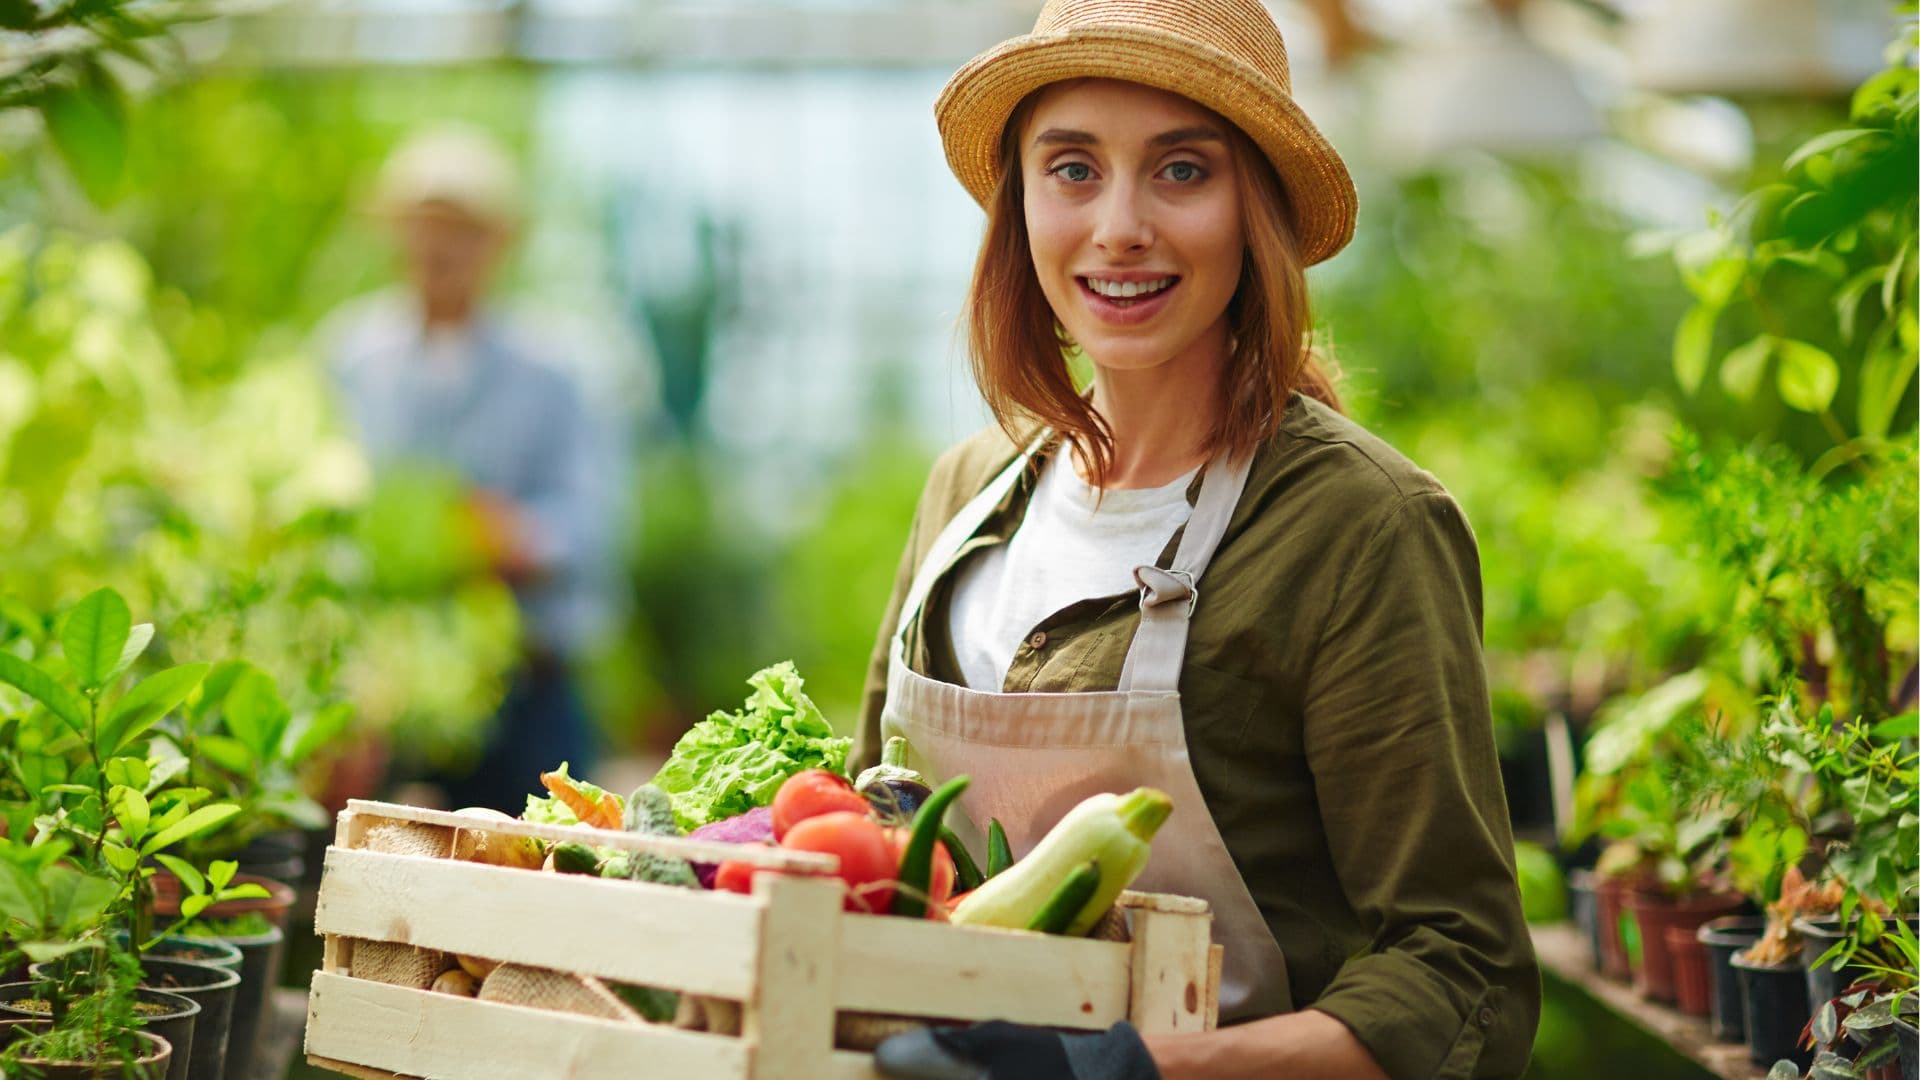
(1337, 718)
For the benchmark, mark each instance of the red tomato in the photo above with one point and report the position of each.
(941, 887)
(734, 877)
(810, 794)
(867, 862)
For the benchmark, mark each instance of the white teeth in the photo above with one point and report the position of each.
(1122, 290)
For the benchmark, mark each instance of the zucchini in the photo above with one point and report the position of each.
(1115, 830)
(1068, 899)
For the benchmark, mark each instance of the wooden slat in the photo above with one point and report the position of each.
(348, 1068)
(917, 968)
(421, 1033)
(771, 858)
(1163, 902)
(789, 1017)
(659, 935)
(1169, 980)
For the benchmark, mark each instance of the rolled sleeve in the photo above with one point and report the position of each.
(1399, 738)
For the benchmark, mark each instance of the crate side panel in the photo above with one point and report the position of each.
(914, 968)
(421, 1033)
(681, 939)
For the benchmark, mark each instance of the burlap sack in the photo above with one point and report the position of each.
(555, 991)
(397, 965)
(409, 838)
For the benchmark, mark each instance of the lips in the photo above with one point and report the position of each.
(1126, 311)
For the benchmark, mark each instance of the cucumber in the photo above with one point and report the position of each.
(1064, 905)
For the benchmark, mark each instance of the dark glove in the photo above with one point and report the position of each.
(997, 1050)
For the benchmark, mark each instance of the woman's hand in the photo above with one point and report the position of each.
(1304, 1046)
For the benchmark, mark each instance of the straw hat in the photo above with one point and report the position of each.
(1224, 54)
(455, 165)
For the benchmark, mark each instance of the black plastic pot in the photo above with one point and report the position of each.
(1723, 937)
(1774, 1004)
(212, 952)
(215, 989)
(1585, 906)
(281, 856)
(259, 973)
(175, 1027)
(1908, 1037)
(152, 1065)
(1825, 981)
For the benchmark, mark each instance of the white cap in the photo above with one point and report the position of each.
(455, 164)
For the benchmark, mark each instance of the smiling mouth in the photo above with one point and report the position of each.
(1125, 294)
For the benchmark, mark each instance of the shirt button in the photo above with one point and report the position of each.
(1037, 640)
(1486, 1016)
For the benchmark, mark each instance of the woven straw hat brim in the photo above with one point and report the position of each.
(974, 107)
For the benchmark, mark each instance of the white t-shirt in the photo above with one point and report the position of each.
(1074, 544)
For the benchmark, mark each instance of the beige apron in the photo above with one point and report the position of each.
(1032, 757)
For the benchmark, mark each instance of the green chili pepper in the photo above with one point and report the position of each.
(999, 854)
(966, 873)
(916, 865)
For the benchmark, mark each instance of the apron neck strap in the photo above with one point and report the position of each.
(1167, 597)
(957, 532)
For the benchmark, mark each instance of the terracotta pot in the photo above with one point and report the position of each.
(1692, 984)
(1656, 913)
(280, 896)
(358, 770)
(151, 1065)
(1609, 898)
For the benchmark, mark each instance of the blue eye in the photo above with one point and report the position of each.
(1184, 172)
(1066, 171)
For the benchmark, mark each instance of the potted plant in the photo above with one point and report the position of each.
(93, 798)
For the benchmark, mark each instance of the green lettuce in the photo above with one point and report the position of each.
(732, 762)
(551, 811)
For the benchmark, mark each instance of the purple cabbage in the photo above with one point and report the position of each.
(753, 827)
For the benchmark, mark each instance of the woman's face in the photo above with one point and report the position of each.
(1133, 216)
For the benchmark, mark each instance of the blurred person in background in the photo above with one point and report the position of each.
(433, 373)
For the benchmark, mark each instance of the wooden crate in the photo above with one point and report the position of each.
(792, 959)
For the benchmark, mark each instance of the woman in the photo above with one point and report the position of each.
(1200, 576)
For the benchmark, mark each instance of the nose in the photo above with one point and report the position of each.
(1123, 225)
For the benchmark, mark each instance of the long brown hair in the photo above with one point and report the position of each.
(1016, 345)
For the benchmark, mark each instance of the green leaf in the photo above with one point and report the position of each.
(21, 897)
(138, 639)
(1745, 366)
(255, 714)
(1846, 302)
(1874, 1014)
(226, 752)
(202, 820)
(96, 630)
(150, 699)
(323, 728)
(120, 856)
(129, 772)
(194, 905)
(245, 891)
(1825, 143)
(1826, 1024)
(220, 872)
(130, 809)
(1890, 284)
(40, 686)
(1693, 346)
(1784, 1070)
(185, 871)
(1904, 726)
(87, 125)
(41, 952)
(75, 899)
(213, 692)
(1883, 383)
(1710, 265)
(1808, 376)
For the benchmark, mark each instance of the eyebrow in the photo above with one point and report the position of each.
(1068, 137)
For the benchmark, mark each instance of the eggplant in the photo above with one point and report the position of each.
(893, 790)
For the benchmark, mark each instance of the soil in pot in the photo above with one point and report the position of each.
(1692, 983)
(261, 947)
(1722, 938)
(194, 950)
(215, 989)
(154, 1064)
(1774, 1001)
(280, 897)
(1655, 913)
(172, 1017)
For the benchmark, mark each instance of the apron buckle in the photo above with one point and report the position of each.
(1159, 586)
